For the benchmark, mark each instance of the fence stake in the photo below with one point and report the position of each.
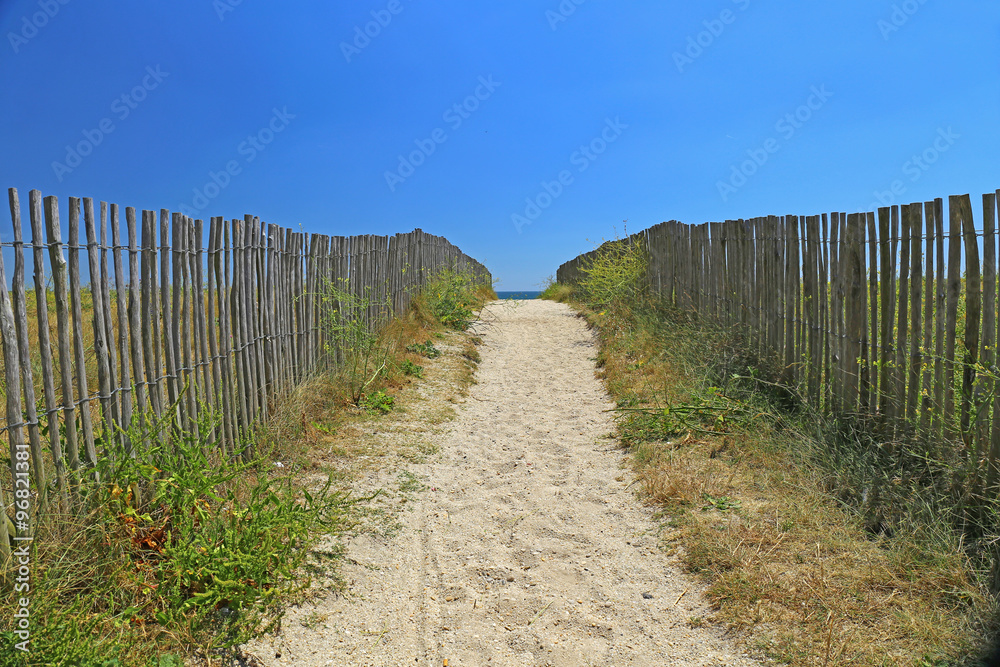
(45, 347)
(20, 312)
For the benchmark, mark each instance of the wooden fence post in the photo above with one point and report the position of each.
(125, 382)
(973, 312)
(60, 289)
(80, 352)
(100, 331)
(45, 348)
(857, 311)
(19, 454)
(954, 293)
(929, 294)
(20, 313)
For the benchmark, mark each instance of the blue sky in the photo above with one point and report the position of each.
(571, 117)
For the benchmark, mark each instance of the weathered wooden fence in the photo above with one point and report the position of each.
(224, 321)
(891, 315)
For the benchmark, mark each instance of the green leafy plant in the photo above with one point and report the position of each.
(713, 413)
(412, 369)
(223, 539)
(378, 402)
(425, 349)
(722, 503)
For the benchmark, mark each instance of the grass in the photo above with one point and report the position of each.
(554, 291)
(183, 555)
(753, 498)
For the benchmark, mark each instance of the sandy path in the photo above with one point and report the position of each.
(526, 547)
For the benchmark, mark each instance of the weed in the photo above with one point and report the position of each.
(313, 620)
(182, 549)
(378, 402)
(411, 369)
(723, 503)
(353, 340)
(323, 428)
(452, 298)
(410, 483)
(614, 275)
(425, 349)
(470, 352)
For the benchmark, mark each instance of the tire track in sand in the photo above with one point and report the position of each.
(527, 548)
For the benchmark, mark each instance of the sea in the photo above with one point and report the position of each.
(518, 295)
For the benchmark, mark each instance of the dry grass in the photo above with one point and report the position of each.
(321, 429)
(319, 425)
(787, 565)
(470, 351)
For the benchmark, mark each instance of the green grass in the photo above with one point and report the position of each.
(556, 292)
(182, 550)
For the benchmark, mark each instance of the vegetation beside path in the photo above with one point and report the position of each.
(813, 551)
(187, 556)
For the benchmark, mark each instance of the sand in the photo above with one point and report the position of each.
(522, 541)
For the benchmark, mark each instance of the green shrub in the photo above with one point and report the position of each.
(615, 276)
(452, 298)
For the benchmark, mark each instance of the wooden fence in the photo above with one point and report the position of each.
(224, 321)
(889, 314)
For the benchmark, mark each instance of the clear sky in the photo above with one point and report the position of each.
(525, 131)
